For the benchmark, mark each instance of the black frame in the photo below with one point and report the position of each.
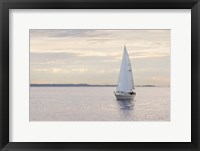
(5, 5)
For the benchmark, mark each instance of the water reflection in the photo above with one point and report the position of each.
(125, 104)
(126, 107)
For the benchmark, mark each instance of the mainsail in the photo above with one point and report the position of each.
(125, 79)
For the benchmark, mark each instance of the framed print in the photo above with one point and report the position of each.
(99, 75)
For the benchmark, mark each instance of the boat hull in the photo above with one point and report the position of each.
(124, 96)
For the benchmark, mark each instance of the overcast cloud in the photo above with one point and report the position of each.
(94, 56)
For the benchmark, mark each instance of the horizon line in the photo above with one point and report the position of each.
(84, 84)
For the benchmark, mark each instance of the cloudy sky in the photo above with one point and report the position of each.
(94, 56)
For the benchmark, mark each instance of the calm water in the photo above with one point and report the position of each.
(98, 104)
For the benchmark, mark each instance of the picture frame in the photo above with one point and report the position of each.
(5, 5)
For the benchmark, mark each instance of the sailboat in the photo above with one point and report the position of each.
(125, 87)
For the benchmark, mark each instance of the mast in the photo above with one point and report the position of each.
(125, 79)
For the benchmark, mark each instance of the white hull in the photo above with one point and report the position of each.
(124, 96)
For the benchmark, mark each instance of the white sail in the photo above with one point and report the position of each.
(125, 79)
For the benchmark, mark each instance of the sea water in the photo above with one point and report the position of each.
(98, 104)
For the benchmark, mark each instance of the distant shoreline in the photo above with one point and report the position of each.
(69, 85)
(84, 85)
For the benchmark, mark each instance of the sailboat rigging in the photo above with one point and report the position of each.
(125, 87)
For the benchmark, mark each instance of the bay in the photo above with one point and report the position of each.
(74, 103)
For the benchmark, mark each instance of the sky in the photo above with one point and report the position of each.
(63, 56)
